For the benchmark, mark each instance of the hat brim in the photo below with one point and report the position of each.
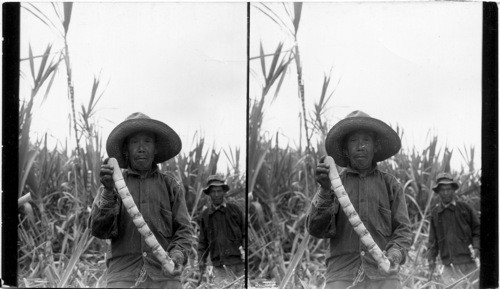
(168, 142)
(224, 187)
(454, 185)
(389, 140)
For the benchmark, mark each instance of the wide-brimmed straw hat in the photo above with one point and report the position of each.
(444, 179)
(215, 181)
(168, 143)
(389, 141)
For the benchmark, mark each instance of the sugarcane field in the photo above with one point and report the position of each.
(288, 145)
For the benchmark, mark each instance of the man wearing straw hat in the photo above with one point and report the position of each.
(357, 143)
(454, 233)
(139, 143)
(222, 232)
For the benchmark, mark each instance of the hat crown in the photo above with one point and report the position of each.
(137, 115)
(388, 138)
(357, 113)
(215, 178)
(168, 142)
(443, 176)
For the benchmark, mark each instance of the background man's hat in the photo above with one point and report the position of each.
(215, 181)
(390, 143)
(168, 143)
(444, 179)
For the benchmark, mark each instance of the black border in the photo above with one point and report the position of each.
(246, 149)
(489, 149)
(489, 179)
(10, 150)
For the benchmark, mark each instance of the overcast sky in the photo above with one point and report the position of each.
(183, 64)
(417, 65)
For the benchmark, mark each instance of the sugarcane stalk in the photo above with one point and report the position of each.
(143, 228)
(352, 215)
(24, 199)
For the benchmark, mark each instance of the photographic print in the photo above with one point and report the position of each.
(160, 90)
(391, 93)
(283, 145)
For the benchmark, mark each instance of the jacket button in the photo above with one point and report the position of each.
(362, 253)
(144, 254)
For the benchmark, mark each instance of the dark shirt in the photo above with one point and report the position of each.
(380, 203)
(161, 201)
(452, 230)
(221, 234)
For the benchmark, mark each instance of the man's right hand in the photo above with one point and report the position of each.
(202, 266)
(322, 171)
(432, 267)
(106, 176)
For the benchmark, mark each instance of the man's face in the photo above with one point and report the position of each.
(446, 193)
(360, 150)
(217, 195)
(141, 150)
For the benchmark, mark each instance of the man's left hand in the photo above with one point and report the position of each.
(394, 256)
(178, 259)
(476, 253)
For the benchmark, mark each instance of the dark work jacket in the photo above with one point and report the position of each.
(452, 230)
(379, 200)
(160, 199)
(221, 234)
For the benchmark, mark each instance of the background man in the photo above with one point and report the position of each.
(222, 233)
(454, 226)
(138, 144)
(358, 142)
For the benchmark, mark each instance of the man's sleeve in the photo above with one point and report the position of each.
(203, 240)
(401, 230)
(475, 228)
(103, 220)
(242, 223)
(321, 216)
(181, 222)
(432, 245)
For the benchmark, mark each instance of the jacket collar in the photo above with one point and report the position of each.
(350, 170)
(221, 207)
(451, 206)
(154, 170)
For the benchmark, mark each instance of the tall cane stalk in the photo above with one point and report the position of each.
(360, 229)
(143, 228)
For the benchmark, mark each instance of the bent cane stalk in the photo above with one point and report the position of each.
(143, 228)
(24, 199)
(353, 217)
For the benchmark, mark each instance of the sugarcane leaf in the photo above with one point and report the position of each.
(280, 70)
(68, 7)
(41, 70)
(99, 98)
(26, 169)
(41, 16)
(295, 260)
(274, 62)
(276, 18)
(49, 85)
(262, 60)
(297, 7)
(83, 243)
(32, 63)
(280, 73)
(287, 10)
(280, 82)
(326, 81)
(57, 10)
